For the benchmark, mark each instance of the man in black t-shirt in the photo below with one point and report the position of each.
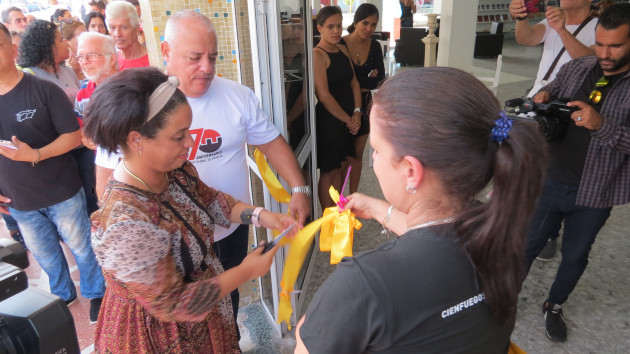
(589, 171)
(39, 181)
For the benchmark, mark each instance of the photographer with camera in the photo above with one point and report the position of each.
(567, 32)
(589, 170)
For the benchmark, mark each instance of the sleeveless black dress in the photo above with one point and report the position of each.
(374, 61)
(334, 141)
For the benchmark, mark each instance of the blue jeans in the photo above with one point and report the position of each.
(581, 225)
(67, 221)
(231, 251)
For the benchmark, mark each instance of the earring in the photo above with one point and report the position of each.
(410, 189)
(139, 152)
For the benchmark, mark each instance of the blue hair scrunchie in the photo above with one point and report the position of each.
(502, 127)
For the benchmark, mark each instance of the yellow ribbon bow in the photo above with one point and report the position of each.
(336, 236)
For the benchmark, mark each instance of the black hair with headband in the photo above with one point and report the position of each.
(139, 99)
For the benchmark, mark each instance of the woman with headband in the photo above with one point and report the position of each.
(153, 233)
(449, 282)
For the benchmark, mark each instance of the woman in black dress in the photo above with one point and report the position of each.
(367, 59)
(338, 111)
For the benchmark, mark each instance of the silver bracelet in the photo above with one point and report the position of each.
(302, 189)
(386, 219)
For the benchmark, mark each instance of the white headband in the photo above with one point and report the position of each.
(161, 96)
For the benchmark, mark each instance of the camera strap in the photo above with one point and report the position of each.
(555, 61)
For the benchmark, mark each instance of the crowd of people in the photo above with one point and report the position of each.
(120, 162)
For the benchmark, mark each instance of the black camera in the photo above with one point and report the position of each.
(31, 320)
(553, 118)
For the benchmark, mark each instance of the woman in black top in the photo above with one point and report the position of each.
(407, 8)
(449, 283)
(338, 110)
(367, 60)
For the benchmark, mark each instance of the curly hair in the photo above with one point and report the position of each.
(36, 48)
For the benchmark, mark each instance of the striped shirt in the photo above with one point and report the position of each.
(606, 177)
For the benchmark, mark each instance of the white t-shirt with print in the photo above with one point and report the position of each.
(226, 118)
(553, 45)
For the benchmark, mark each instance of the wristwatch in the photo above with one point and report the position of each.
(302, 189)
(357, 110)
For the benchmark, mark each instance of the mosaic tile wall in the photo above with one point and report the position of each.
(221, 12)
(244, 43)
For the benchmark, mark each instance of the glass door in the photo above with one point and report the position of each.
(281, 32)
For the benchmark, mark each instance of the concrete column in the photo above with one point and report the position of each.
(379, 6)
(457, 33)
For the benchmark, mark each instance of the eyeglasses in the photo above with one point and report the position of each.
(89, 57)
(596, 95)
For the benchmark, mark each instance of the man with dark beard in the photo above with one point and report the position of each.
(589, 171)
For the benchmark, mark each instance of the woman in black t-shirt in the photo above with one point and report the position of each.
(449, 283)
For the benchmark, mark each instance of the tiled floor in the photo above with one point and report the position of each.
(597, 313)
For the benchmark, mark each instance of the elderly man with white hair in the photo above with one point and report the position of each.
(124, 26)
(96, 53)
(226, 116)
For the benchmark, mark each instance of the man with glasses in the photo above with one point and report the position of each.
(14, 19)
(40, 184)
(96, 53)
(589, 171)
(124, 27)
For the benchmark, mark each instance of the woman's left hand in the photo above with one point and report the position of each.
(277, 221)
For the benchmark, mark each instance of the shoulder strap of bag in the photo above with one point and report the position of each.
(555, 61)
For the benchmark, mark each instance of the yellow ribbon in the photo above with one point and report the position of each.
(336, 236)
(271, 181)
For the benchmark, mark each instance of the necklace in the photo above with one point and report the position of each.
(138, 178)
(433, 222)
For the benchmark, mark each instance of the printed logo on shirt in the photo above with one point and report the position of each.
(24, 115)
(463, 305)
(207, 145)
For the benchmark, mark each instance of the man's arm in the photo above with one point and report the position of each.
(575, 48)
(525, 33)
(282, 159)
(61, 145)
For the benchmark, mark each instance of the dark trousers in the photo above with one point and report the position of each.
(85, 161)
(581, 225)
(231, 252)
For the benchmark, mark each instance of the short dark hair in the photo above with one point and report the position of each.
(325, 12)
(120, 105)
(98, 3)
(91, 15)
(36, 48)
(444, 118)
(364, 11)
(58, 13)
(615, 16)
(7, 11)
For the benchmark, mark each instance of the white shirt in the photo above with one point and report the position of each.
(553, 45)
(226, 118)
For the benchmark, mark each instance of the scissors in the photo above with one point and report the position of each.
(269, 245)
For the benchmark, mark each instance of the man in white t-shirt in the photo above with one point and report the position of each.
(226, 117)
(556, 31)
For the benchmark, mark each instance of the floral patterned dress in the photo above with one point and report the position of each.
(155, 251)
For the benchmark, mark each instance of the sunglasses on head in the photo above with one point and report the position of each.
(596, 95)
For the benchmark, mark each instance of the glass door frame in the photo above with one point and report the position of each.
(267, 56)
